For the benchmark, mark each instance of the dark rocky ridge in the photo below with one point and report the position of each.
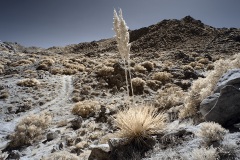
(185, 34)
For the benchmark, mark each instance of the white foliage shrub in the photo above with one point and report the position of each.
(202, 154)
(211, 132)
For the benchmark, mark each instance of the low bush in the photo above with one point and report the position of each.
(211, 132)
(29, 129)
(86, 108)
(169, 97)
(162, 76)
(28, 82)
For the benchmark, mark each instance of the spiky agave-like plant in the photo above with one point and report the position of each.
(122, 38)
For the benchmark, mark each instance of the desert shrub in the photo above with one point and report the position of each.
(56, 70)
(4, 94)
(29, 129)
(28, 82)
(79, 67)
(202, 154)
(47, 61)
(61, 155)
(203, 87)
(154, 84)
(139, 122)
(138, 85)
(139, 68)
(148, 65)
(32, 60)
(105, 71)
(162, 76)
(211, 132)
(45, 64)
(199, 66)
(193, 64)
(86, 108)
(203, 61)
(169, 97)
(69, 71)
(22, 62)
(187, 67)
(210, 67)
(110, 62)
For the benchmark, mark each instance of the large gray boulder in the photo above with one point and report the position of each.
(231, 77)
(223, 106)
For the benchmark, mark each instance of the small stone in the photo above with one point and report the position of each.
(100, 152)
(14, 155)
(77, 123)
(51, 136)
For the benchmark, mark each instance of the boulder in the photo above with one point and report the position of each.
(223, 106)
(232, 77)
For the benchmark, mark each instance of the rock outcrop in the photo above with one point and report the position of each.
(223, 106)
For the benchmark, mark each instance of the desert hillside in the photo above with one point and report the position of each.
(71, 102)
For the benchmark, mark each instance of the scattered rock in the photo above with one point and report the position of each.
(51, 136)
(14, 154)
(100, 152)
(122, 148)
(76, 123)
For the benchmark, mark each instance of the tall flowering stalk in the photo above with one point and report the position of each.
(122, 38)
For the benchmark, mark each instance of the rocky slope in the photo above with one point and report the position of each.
(53, 81)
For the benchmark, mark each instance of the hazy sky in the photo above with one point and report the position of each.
(47, 23)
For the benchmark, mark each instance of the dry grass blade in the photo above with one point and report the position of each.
(139, 122)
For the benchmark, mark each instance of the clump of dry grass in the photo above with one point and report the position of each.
(203, 61)
(4, 94)
(56, 70)
(203, 87)
(137, 123)
(202, 154)
(154, 84)
(148, 65)
(45, 64)
(86, 108)
(22, 62)
(69, 71)
(169, 97)
(162, 76)
(105, 71)
(139, 68)
(211, 132)
(138, 85)
(61, 155)
(47, 61)
(29, 129)
(28, 82)
(79, 67)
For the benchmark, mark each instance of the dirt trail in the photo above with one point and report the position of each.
(58, 106)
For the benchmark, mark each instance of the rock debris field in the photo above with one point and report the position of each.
(66, 102)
